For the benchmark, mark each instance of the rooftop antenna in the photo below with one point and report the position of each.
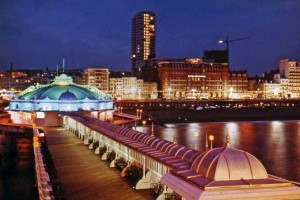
(63, 65)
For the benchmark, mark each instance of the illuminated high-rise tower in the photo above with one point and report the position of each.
(142, 40)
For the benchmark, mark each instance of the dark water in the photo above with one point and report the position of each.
(17, 171)
(275, 143)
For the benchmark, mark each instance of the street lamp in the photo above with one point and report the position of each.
(196, 134)
(152, 129)
(211, 138)
(143, 123)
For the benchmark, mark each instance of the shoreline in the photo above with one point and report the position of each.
(165, 116)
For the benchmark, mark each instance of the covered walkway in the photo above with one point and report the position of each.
(82, 174)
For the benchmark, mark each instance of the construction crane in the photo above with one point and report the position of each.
(227, 41)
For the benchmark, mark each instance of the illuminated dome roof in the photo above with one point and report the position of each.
(62, 95)
(67, 96)
(227, 163)
(54, 92)
(62, 88)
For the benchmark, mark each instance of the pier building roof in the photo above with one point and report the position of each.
(220, 173)
(62, 95)
(215, 168)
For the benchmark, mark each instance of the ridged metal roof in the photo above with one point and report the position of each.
(216, 168)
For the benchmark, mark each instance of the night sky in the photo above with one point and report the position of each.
(88, 33)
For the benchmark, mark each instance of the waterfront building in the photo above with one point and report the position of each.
(193, 79)
(290, 69)
(126, 88)
(150, 90)
(270, 90)
(132, 88)
(9, 83)
(41, 104)
(285, 89)
(238, 84)
(18, 81)
(97, 77)
(12, 80)
(142, 40)
(116, 88)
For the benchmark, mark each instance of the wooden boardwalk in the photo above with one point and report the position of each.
(83, 175)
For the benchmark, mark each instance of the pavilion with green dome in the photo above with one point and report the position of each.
(41, 103)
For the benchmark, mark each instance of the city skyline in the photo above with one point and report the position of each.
(95, 33)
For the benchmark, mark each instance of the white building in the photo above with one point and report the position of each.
(131, 88)
(290, 69)
(270, 90)
(97, 77)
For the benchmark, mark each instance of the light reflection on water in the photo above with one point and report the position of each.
(275, 143)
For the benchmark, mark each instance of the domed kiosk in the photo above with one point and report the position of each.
(40, 103)
(228, 164)
(228, 173)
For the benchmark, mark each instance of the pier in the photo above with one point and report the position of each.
(82, 174)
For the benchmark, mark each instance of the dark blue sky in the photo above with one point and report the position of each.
(37, 34)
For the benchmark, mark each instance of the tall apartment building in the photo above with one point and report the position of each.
(97, 77)
(290, 69)
(142, 40)
(193, 79)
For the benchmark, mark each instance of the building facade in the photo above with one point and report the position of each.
(238, 84)
(193, 79)
(132, 88)
(290, 69)
(142, 40)
(97, 77)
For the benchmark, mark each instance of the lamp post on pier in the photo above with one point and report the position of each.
(211, 138)
(143, 123)
(196, 134)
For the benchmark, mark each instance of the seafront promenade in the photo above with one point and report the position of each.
(82, 174)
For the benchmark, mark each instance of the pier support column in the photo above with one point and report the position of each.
(104, 156)
(113, 162)
(85, 140)
(162, 195)
(145, 182)
(97, 150)
(144, 166)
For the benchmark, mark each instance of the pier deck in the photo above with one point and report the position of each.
(82, 174)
